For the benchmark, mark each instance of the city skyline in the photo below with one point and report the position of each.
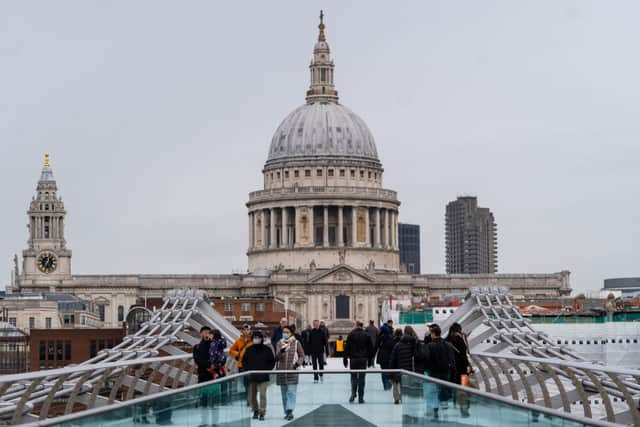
(160, 220)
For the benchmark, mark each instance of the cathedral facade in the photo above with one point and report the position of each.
(322, 233)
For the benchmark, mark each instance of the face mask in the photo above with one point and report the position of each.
(285, 336)
(257, 341)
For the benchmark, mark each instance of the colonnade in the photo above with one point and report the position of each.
(323, 226)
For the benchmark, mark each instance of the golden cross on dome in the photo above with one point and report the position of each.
(321, 37)
(46, 159)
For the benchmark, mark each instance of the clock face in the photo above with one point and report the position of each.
(47, 262)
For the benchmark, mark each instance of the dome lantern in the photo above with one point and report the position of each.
(321, 88)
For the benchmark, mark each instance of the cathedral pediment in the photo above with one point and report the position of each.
(342, 274)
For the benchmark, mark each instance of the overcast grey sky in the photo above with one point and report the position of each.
(158, 116)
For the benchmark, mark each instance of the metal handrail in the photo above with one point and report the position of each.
(29, 376)
(490, 396)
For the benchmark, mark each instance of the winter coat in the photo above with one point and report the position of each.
(304, 340)
(406, 354)
(201, 355)
(318, 342)
(258, 357)
(217, 357)
(288, 360)
(238, 348)
(276, 336)
(384, 345)
(439, 359)
(459, 343)
(372, 331)
(358, 346)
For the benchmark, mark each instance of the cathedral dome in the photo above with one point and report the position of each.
(322, 130)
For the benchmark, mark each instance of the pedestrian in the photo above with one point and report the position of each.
(384, 347)
(217, 356)
(396, 379)
(277, 332)
(339, 347)
(304, 339)
(289, 356)
(390, 325)
(203, 364)
(407, 355)
(325, 330)
(358, 354)
(458, 341)
(258, 357)
(237, 351)
(319, 348)
(372, 331)
(439, 363)
(461, 350)
(201, 355)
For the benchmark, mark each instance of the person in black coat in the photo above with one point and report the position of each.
(439, 363)
(201, 355)
(384, 347)
(258, 357)
(459, 342)
(407, 355)
(318, 348)
(358, 353)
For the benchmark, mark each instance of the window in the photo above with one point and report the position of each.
(319, 172)
(361, 174)
(271, 176)
(342, 307)
(43, 350)
(32, 322)
(59, 355)
(69, 319)
(353, 173)
(93, 348)
(47, 322)
(369, 175)
(375, 176)
(260, 306)
(120, 313)
(278, 175)
(67, 350)
(286, 174)
(13, 321)
(246, 307)
(330, 172)
(50, 350)
(307, 172)
(296, 173)
(101, 312)
(228, 307)
(341, 172)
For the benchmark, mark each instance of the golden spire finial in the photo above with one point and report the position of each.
(46, 159)
(321, 27)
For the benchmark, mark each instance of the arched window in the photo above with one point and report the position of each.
(120, 313)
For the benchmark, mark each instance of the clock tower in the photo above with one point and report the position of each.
(46, 261)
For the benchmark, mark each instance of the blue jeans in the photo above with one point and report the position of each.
(386, 380)
(288, 396)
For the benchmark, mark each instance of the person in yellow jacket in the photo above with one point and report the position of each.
(237, 351)
(339, 347)
(241, 345)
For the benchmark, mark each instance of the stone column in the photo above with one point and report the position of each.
(284, 229)
(265, 229)
(386, 229)
(325, 227)
(250, 230)
(354, 226)
(312, 227)
(376, 233)
(394, 224)
(340, 225)
(367, 228)
(296, 221)
(272, 228)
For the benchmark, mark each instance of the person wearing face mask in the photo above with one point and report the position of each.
(258, 357)
(289, 356)
(237, 352)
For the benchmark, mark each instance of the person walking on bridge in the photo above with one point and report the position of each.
(258, 357)
(358, 355)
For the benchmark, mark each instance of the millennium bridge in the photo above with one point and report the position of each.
(521, 378)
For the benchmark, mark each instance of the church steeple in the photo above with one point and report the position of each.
(321, 88)
(46, 251)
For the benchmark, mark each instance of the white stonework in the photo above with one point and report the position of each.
(322, 231)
